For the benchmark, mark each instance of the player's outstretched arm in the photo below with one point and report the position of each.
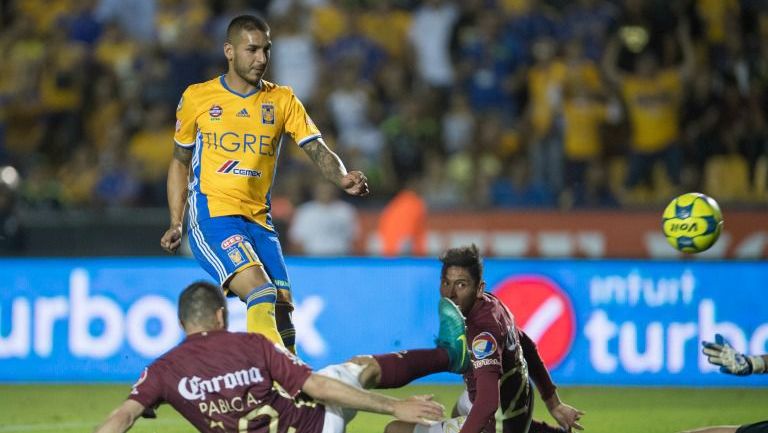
(730, 361)
(417, 410)
(329, 163)
(122, 418)
(566, 415)
(178, 178)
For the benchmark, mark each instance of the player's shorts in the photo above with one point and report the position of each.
(336, 418)
(758, 427)
(226, 245)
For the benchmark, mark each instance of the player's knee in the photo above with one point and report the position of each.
(370, 376)
(243, 282)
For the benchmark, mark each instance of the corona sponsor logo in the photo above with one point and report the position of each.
(195, 388)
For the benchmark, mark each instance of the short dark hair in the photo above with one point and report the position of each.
(467, 257)
(199, 302)
(245, 22)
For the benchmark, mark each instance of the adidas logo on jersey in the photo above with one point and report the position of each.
(242, 113)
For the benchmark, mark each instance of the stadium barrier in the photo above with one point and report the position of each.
(596, 322)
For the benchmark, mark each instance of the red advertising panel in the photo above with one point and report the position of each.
(588, 234)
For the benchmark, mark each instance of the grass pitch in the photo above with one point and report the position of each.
(79, 408)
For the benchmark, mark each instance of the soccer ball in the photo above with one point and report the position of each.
(692, 222)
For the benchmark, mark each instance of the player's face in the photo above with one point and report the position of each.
(458, 285)
(248, 55)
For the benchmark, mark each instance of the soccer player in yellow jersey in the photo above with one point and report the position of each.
(228, 134)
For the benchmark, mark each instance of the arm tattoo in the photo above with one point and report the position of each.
(182, 154)
(329, 163)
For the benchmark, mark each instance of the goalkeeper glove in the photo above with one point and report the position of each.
(730, 361)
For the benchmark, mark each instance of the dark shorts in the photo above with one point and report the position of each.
(758, 427)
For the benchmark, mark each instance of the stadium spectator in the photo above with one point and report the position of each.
(590, 21)
(152, 160)
(722, 354)
(325, 225)
(545, 86)
(402, 224)
(245, 381)
(228, 131)
(653, 97)
(294, 57)
(430, 38)
(134, 17)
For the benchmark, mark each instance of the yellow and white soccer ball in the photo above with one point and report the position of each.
(692, 222)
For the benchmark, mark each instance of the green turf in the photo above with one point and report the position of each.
(78, 408)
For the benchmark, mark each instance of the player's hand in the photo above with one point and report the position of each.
(730, 361)
(567, 416)
(419, 410)
(171, 239)
(355, 183)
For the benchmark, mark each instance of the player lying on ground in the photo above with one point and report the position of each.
(252, 388)
(497, 380)
(732, 362)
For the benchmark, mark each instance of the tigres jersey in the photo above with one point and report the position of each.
(653, 105)
(236, 140)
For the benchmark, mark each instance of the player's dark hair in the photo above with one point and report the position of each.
(245, 22)
(199, 302)
(467, 257)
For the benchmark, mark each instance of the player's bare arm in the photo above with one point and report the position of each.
(566, 415)
(178, 177)
(122, 418)
(353, 182)
(419, 410)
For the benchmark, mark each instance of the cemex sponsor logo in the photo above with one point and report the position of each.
(195, 388)
(543, 310)
(230, 167)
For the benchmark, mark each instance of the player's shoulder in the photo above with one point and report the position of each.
(489, 315)
(200, 88)
(276, 89)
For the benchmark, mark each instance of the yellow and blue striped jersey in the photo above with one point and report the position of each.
(236, 140)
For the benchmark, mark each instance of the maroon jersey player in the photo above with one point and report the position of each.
(501, 359)
(236, 382)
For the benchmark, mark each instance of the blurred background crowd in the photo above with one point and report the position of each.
(472, 104)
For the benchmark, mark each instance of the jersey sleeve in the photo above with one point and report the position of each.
(538, 370)
(298, 124)
(284, 367)
(186, 123)
(148, 389)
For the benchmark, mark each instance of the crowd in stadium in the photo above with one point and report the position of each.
(481, 103)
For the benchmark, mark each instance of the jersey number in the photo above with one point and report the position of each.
(267, 411)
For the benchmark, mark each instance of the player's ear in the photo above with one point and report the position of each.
(221, 318)
(229, 51)
(480, 289)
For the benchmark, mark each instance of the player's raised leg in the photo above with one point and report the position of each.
(394, 370)
(223, 247)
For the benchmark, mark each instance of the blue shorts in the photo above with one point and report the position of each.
(226, 245)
